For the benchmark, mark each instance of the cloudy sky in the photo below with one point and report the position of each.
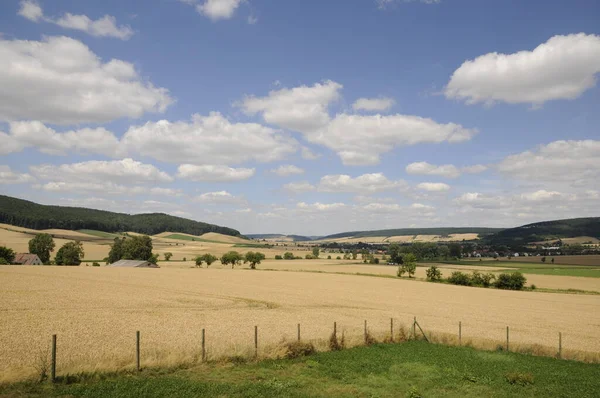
(307, 117)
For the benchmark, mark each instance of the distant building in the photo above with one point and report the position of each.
(134, 264)
(27, 259)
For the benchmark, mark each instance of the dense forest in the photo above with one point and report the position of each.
(547, 230)
(27, 214)
(414, 231)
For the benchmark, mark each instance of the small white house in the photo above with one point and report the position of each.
(134, 264)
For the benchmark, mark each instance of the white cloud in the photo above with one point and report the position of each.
(299, 187)
(31, 10)
(542, 195)
(308, 154)
(352, 136)
(208, 139)
(382, 207)
(433, 186)
(562, 68)
(300, 108)
(320, 206)
(218, 9)
(287, 170)
(305, 109)
(383, 4)
(373, 104)
(252, 20)
(573, 162)
(60, 81)
(126, 171)
(102, 27)
(424, 168)
(375, 182)
(474, 169)
(420, 206)
(482, 201)
(7, 176)
(213, 173)
(47, 140)
(220, 197)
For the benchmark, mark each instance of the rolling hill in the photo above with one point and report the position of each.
(412, 231)
(28, 214)
(548, 230)
(294, 238)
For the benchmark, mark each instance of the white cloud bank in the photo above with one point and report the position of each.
(101, 27)
(64, 82)
(8, 176)
(564, 67)
(446, 170)
(373, 104)
(287, 170)
(213, 173)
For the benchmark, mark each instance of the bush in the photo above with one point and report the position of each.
(520, 379)
(328, 257)
(479, 279)
(460, 278)
(309, 257)
(533, 287)
(278, 257)
(338, 258)
(3, 261)
(514, 281)
(297, 349)
(434, 274)
(95, 264)
(335, 344)
(288, 256)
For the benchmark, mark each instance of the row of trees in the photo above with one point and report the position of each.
(132, 248)
(42, 245)
(234, 258)
(512, 281)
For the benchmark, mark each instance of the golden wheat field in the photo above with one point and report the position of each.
(95, 311)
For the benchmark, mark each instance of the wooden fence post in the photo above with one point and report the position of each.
(414, 329)
(256, 341)
(298, 332)
(53, 359)
(137, 350)
(203, 345)
(507, 346)
(392, 330)
(459, 333)
(335, 329)
(559, 344)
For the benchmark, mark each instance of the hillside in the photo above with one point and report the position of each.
(548, 230)
(28, 214)
(412, 231)
(280, 237)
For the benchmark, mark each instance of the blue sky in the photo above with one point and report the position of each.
(304, 117)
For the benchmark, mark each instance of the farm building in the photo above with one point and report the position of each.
(134, 264)
(27, 259)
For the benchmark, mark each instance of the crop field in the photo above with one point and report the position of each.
(405, 238)
(95, 311)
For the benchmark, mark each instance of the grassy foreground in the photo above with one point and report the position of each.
(411, 369)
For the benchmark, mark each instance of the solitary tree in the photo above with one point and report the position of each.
(288, 256)
(199, 260)
(42, 245)
(395, 254)
(7, 254)
(209, 259)
(71, 253)
(168, 256)
(254, 258)
(315, 252)
(354, 255)
(409, 265)
(232, 258)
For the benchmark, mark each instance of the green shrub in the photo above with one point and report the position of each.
(3, 261)
(288, 256)
(460, 278)
(434, 274)
(514, 281)
(520, 379)
(309, 257)
(328, 257)
(338, 258)
(95, 264)
(335, 344)
(533, 287)
(479, 279)
(278, 257)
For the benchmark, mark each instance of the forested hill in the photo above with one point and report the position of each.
(414, 231)
(548, 230)
(27, 214)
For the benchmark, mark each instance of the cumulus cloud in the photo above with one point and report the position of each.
(424, 168)
(287, 170)
(373, 104)
(562, 68)
(446, 170)
(213, 173)
(301, 108)
(305, 109)
(573, 162)
(8, 176)
(126, 171)
(383, 4)
(433, 186)
(308, 154)
(101, 27)
(66, 83)
(220, 197)
(299, 187)
(320, 206)
(218, 9)
(208, 139)
(47, 140)
(375, 182)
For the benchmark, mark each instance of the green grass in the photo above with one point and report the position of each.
(190, 238)
(410, 369)
(536, 268)
(100, 234)
(588, 273)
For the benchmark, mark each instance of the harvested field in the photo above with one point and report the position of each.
(402, 239)
(96, 311)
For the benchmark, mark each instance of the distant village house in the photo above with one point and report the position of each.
(27, 259)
